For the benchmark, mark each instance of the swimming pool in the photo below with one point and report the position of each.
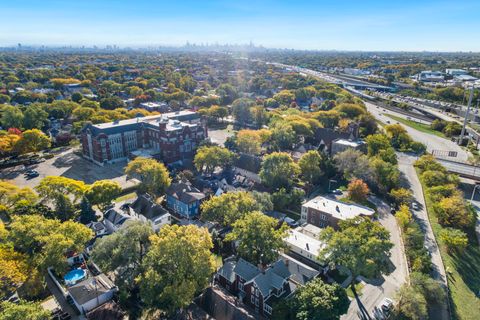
(74, 276)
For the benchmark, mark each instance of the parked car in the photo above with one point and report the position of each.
(31, 174)
(415, 206)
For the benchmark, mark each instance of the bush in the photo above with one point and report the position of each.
(454, 212)
(454, 239)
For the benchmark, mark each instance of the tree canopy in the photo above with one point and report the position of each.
(278, 170)
(153, 175)
(178, 265)
(259, 240)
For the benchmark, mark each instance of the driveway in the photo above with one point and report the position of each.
(373, 293)
(70, 165)
(405, 164)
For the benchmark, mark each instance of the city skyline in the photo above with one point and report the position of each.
(324, 25)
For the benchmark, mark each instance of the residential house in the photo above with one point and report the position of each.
(114, 220)
(184, 199)
(322, 211)
(145, 209)
(339, 145)
(304, 247)
(92, 292)
(258, 288)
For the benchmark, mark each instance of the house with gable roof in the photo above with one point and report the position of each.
(184, 199)
(261, 288)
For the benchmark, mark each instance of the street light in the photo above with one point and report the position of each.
(473, 192)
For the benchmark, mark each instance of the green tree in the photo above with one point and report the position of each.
(259, 240)
(102, 193)
(12, 196)
(208, 158)
(46, 241)
(411, 303)
(379, 146)
(62, 192)
(32, 140)
(87, 214)
(318, 300)
(454, 212)
(404, 216)
(228, 207)
(283, 136)
(278, 170)
(12, 117)
(153, 175)
(360, 245)
(241, 110)
(178, 266)
(23, 310)
(454, 239)
(122, 252)
(311, 166)
(401, 196)
(386, 175)
(34, 117)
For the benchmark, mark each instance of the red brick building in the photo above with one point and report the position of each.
(171, 137)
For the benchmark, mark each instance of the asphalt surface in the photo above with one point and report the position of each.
(431, 141)
(373, 293)
(405, 164)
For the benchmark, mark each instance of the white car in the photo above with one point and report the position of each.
(415, 206)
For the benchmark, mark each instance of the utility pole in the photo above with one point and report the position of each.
(466, 115)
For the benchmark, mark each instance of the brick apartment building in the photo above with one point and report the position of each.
(171, 137)
(323, 212)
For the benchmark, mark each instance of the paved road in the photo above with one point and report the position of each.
(431, 141)
(463, 169)
(373, 294)
(405, 164)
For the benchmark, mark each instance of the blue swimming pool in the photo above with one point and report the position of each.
(74, 276)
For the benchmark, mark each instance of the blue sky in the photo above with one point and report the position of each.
(325, 25)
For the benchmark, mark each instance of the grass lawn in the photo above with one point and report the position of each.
(358, 288)
(463, 271)
(128, 196)
(418, 126)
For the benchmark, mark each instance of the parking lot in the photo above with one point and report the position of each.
(219, 136)
(68, 164)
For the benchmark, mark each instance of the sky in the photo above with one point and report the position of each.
(366, 25)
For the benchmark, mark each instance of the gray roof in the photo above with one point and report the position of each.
(145, 206)
(273, 277)
(89, 289)
(245, 270)
(226, 271)
(300, 272)
(115, 217)
(138, 122)
(184, 192)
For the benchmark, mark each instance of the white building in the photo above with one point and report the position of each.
(323, 211)
(304, 244)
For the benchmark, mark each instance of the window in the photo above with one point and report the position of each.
(323, 217)
(240, 286)
(256, 302)
(252, 299)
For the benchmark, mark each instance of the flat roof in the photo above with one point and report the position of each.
(143, 119)
(350, 143)
(304, 242)
(338, 209)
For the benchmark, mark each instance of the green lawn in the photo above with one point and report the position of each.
(463, 271)
(127, 196)
(416, 125)
(358, 288)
